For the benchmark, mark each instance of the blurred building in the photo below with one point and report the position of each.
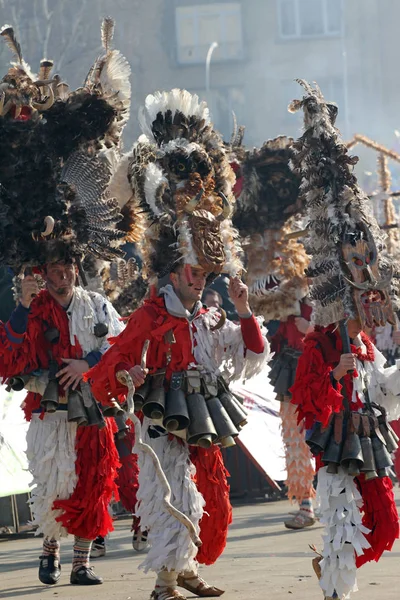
(349, 47)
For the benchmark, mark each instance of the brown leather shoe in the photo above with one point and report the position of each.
(199, 587)
(166, 593)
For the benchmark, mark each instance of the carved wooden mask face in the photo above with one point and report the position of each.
(207, 240)
(361, 271)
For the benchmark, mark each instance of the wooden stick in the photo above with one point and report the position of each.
(124, 378)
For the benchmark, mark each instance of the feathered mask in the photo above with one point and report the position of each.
(269, 198)
(180, 175)
(53, 174)
(350, 276)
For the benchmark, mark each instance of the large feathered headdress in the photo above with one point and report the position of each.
(350, 276)
(180, 175)
(54, 173)
(265, 217)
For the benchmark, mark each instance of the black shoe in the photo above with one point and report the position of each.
(49, 569)
(85, 576)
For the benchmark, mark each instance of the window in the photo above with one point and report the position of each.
(197, 27)
(309, 18)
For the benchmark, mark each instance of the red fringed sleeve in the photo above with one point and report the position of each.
(313, 393)
(211, 481)
(380, 516)
(124, 353)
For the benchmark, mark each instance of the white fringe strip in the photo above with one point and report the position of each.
(344, 533)
(51, 456)
(171, 546)
(300, 470)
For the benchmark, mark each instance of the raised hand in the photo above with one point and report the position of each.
(29, 289)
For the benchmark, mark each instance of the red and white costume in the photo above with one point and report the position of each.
(360, 516)
(197, 477)
(73, 468)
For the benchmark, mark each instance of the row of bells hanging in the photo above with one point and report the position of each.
(82, 407)
(358, 442)
(207, 419)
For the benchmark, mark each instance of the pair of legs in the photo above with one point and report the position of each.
(300, 472)
(64, 503)
(50, 564)
(172, 554)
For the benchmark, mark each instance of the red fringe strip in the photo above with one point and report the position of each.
(86, 513)
(380, 516)
(127, 478)
(313, 394)
(211, 481)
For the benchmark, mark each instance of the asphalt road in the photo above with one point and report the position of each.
(262, 561)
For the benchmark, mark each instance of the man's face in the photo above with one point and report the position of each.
(60, 278)
(189, 283)
(212, 300)
(354, 328)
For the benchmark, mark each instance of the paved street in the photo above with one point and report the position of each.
(262, 561)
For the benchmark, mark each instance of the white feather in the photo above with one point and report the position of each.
(120, 187)
(154, 178)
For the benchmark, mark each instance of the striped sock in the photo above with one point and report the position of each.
(81, 553)
(306, 508)
(51, 547)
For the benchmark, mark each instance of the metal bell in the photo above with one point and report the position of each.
(112, 409)
(227, 442)
(141, 394)
(176, 414)
(369, 467)
(240, 404)
(76, 409)
(381, 455)
(222, 421)
(154, 405)
(334, 448)
(120, 421)
(201, 430)
(50, 397)
(352, 458)
(95, 416)
(236, 413)
(18, 382)
(319, 438)
(93, 412)
(332, 455)
(390, 441)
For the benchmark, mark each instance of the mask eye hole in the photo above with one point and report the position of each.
(357, 261)
(181, 167)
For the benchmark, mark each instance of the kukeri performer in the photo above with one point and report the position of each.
(55, 211)
(268, 205)
(181, 177)
(342, 390)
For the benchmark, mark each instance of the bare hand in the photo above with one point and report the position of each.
(396, 337)
(138, 375)
(72, 374)
(302, 324)
(239, 294)
(347, 363)
(30, 289)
